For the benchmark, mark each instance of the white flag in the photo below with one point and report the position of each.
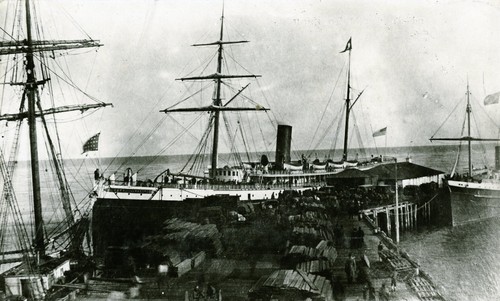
(380, 132)
(491, 99)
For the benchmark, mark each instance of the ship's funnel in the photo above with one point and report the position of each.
(283, 144)
(497, 157)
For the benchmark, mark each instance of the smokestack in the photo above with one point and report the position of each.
(283, 144)
(497, 157)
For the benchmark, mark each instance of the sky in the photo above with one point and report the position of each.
(413, 60)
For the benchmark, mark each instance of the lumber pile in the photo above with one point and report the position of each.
(181, 239)
(424, 289)
(311, 235)
(195, 237)
(397, 262)
(310, 218)
(327, 250)
(317, 267)
(289, 284)
(300, 253)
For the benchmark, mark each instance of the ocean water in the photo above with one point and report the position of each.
(464, 261)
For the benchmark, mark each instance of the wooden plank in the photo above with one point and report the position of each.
(308, 281)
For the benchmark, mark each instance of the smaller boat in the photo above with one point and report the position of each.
(475, 195)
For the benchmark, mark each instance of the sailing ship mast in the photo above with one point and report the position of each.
(29, 47)
(348, 105)
(467, 138)
(217, 106)
(347, 102)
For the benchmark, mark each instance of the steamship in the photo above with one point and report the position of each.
(476, 198)
(248, 181)
(475, 195)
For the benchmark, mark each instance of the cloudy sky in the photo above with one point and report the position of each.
(412, 58)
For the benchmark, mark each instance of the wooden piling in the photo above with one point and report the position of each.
(388, 221)
(407, 210)
(429, 210)
(416, 216)
(403, 222)
(424, 211)
(410, 224)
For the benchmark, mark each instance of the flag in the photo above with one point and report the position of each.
(380, 132)
(348, 46)
(491, 99)
(92, 144)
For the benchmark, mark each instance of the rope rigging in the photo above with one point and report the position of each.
(333, 149)
(446, 119)
(330, 98)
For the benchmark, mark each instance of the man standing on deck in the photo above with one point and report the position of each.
(383, 293)
(380, 249)
(361, 237)
(350, 268)
(97, 176)
(354, 239)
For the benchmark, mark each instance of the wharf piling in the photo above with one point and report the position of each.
(410, 215)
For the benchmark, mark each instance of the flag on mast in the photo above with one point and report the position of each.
(492, 99)
(92, 144)
(380, 132)
(348, 46)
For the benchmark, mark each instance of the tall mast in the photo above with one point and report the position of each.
(469, 109)
(468, 137)
(28, 47)
(31, 89)
(217, 102)
(347, 102)
(217, 106)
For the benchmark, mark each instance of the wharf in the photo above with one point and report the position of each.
(256, 250)
(410, 286)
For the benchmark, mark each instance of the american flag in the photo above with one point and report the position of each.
(92, 144)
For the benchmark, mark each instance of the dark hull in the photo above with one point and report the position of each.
(471, 205)
(126, 223)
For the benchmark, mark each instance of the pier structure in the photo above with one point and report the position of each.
(291, 247)
(383, 218)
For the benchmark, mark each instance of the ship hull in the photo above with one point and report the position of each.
(472, 202)
(126, 223)
(176, 194)
(125, 215)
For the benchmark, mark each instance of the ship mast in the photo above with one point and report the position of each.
(217, 102)
(31, 89)
(467, 138)
(469, 148)
(347, 103)
(217, 105)
(29, 47)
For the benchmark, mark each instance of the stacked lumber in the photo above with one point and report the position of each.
(397, 262)
(327, 233)
(310, 218)
(198, 259)
(197, 237)
(311, 235)
(327, 250)
(181, 268)
(317, 267)
(304, 251)
(292, 283)
(300, 253)
(424, 289)
(180, 238)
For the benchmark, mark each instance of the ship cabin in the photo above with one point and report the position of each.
(229, 174)
(22, 280)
